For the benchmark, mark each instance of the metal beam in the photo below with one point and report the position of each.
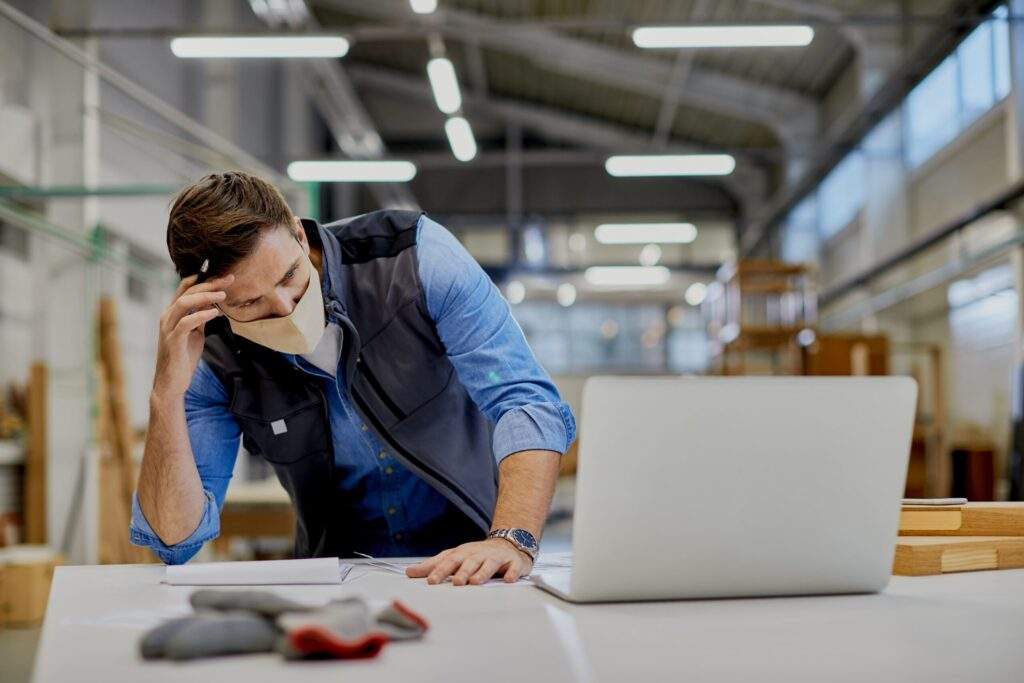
(681, 68)
(65, 191)
(403, 31)
(327, 85)
(792, 116)
(745, 183)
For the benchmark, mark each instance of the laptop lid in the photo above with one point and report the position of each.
(725, 487)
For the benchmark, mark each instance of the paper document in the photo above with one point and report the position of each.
(260, 573)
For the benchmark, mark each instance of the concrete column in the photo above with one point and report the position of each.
(1012, 477)
(61, 95)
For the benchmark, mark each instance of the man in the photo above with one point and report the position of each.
(376, 368)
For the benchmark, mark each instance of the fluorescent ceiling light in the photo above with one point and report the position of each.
(645, 233)
(445, 85)
(566, 294)
(277, 47)
(423, 6)
(627, 276)
(460, 137)
(670, 165)
(723, 36)
(515, 292)
(352, 171)
(650, 255)
(696, 293)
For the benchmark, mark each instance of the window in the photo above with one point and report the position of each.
(1001, 52)
(800, 233)
(967, 84)
(976, 74)
(841, 194)
(605, 337)
(932, 113)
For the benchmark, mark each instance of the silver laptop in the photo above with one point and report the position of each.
(730, 487)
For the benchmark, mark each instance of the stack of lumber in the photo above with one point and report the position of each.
(960, 538)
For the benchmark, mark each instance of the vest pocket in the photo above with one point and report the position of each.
(281, 426)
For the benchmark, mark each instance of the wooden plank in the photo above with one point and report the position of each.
(972, 519)
(117, 469)
(928, 555)
(36, 456)
(110, 357)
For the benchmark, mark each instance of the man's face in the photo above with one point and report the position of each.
(272, 279)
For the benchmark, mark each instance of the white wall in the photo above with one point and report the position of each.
(977, 338)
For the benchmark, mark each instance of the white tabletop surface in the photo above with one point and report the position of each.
(958, 627)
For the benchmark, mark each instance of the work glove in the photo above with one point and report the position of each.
(244, 622)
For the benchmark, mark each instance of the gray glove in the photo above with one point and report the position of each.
(241, 622)
(210, 635)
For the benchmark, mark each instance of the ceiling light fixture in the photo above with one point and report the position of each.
(677, 37)
(645, 233)
(256, 47)
(669, 165)
(627, 276)
(423, 6)
(460, 138)
(352, 171)
(444, 84)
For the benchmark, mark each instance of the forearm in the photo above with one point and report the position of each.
(170, 491)
(525, 486)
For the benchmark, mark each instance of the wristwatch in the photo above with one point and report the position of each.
(520, 538)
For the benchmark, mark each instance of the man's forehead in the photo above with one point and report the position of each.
(275, 252)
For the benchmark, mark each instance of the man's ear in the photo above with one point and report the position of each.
(300, 234)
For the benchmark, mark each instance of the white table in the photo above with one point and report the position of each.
(960, 627)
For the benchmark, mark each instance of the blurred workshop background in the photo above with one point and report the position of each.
(664, 187)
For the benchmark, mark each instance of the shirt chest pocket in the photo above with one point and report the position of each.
(282, 423)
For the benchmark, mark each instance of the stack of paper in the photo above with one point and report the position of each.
(262, 573)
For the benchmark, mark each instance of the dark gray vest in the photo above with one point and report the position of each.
(398, 379)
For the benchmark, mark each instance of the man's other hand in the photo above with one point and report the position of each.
(474, 563)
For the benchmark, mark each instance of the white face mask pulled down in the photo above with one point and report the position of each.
(298, 332)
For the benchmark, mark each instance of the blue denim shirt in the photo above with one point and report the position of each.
(391, 504)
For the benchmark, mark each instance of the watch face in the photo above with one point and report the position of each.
(523, 538)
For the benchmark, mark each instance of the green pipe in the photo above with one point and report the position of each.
(313, 192)
(93, 246)
(56, 191)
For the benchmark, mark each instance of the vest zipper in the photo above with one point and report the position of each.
(386, 436)
(385, 399)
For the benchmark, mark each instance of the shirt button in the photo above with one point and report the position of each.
(388, 470)
(391, 511)
(363, 428)
(398, 537)
(382, 455)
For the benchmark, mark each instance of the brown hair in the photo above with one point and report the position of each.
(220, 218)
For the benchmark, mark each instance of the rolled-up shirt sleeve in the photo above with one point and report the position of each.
(213, 435)
(488, 349)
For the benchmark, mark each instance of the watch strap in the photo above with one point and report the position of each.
(507, 535)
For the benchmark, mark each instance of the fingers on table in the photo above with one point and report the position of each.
(513, 573)
(485, 571)
(421, 569)
(443, 569)
(466, 569)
